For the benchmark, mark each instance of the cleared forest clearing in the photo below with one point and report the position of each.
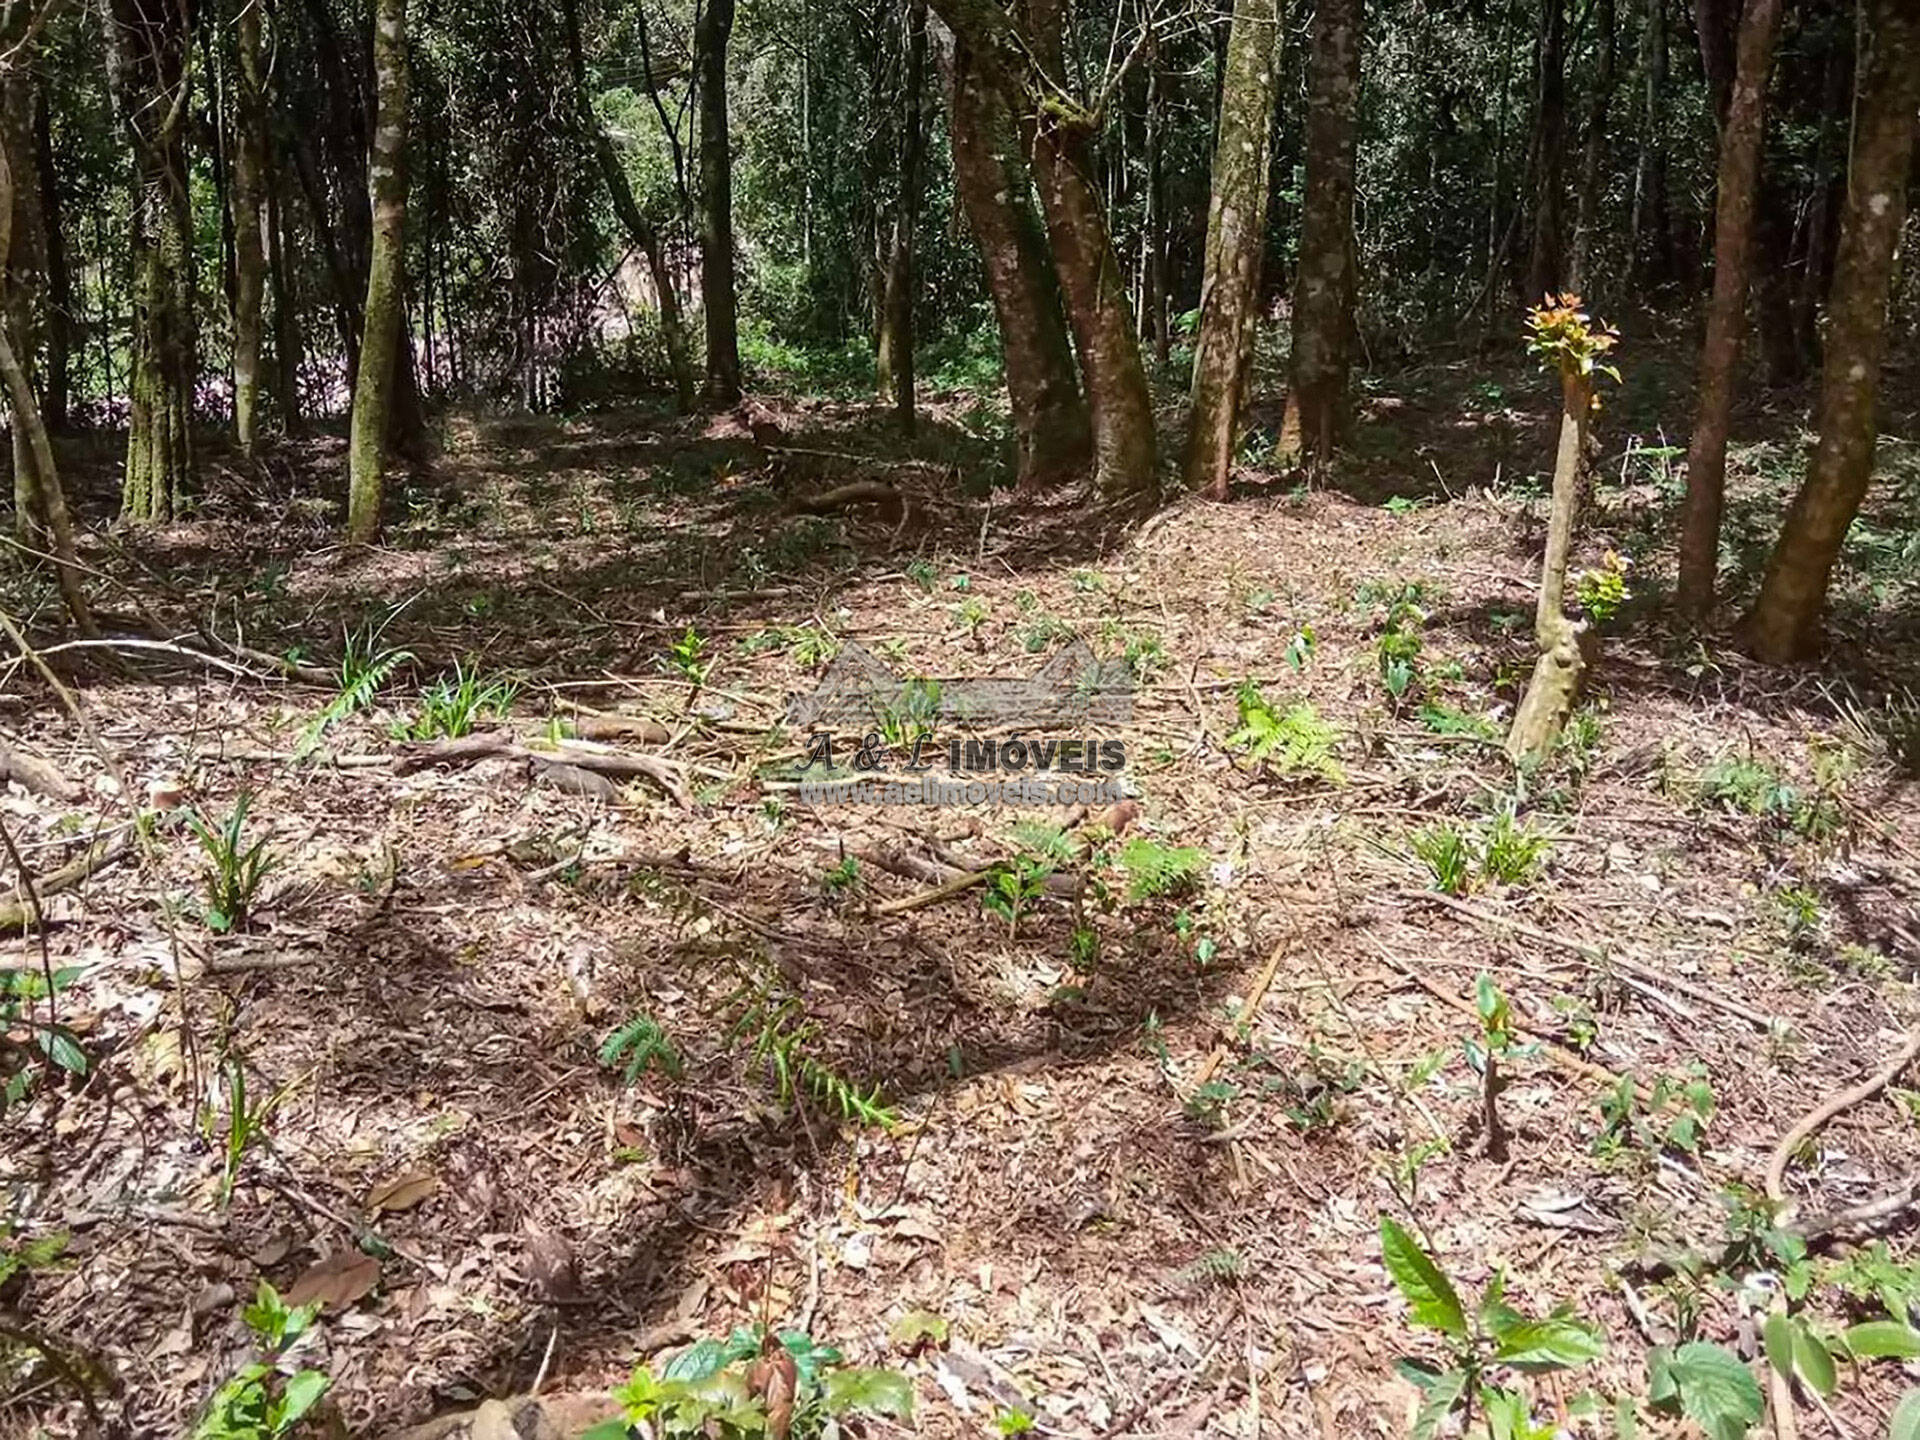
(1142, 1115)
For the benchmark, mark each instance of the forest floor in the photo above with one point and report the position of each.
(1142, 1138)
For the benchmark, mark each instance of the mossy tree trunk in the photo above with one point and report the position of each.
(1323, 290)
(716, 205)
(1785, 621)
(1739, 183)
(1561, 665)
(1236, 241)
(1052, 438)
(894, 353)
(384, 310)
(249, 248)
(148, 49)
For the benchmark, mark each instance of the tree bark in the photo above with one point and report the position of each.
(894, 354)
(148, 48)
(288, 346)
(1561, 666)
(1050, 427)
(716, 206)
(1740, 140)
(23, 285)
(641, 232)
(1154, 281)
(59, 317)
(1236, 241)
(1544, 262)
(1785, 621)
(1323, 293)
(385, 306)
(1592, 151)
(1651, 224)
(1027, 69)
(249, 251)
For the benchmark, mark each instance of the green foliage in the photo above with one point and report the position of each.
(1444, 719)
(1448, 856)
(1510, 852)
(1708, 1384)
(1015, 1421)
(777, 1032)
(713, 1390)
(1013, 886)
(638, 1046)
(246, 1122)
(1563, 335)
(687, 657)
(1154, 870)
(1603, 589)
(57, 1046)
(366, 664)
(1501, 849)
(1674, 1117)
(1491, 1334)
(454, 704)
(234, 871)
(260, 1403)
(19, 1257)
(1297, 742)
(843, 878)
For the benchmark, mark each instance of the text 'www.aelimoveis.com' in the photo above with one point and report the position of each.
(929, 790)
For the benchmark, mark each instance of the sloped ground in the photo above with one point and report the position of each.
(1140, 1204)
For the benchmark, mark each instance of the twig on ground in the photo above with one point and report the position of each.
(22, 910)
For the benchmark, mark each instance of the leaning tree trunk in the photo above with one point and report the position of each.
(1593, 148)
(1557, 673)
(380, 335)
(30, 431)
(1236, 239)
(1785, 622)
(1549, 141)
(716, 206)
(1740, 139)
(641, 232)
(1050, 428)
(148, 46)
(249, 250)
(894, 353)
(1323, 291)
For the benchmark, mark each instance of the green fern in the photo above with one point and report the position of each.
(640, 1045)
(1296, 742)
(364, 668)
(1155, 870)
(1221, 1266)
(778, 1033)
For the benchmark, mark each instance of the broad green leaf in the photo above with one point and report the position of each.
(1556, 1343)
(883, 1392)
(1429, 1294)
(1442, 1395)
(916, 1326)
(697, 1361)
(1662, 1389)
(1778, 1334)
(1812, 1359)
(1716, 1389)
(303, 1392)
(63, 1049)
(606, 1430)
(1882, 1340)
(1906, 1418)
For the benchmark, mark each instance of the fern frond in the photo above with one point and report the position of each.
(1154, 869)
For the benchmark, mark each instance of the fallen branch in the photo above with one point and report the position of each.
(491, 745)
(18, 912)
(37, 775)
(1809, 1124)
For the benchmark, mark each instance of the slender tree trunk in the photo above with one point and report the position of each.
(1652, 257)
(894, 358)
(1057, 129)
(716, 205)
(1740, 139)
(1154, 276)
(150, 45)
(640, 231)
(1236, 241)
(1323, 293)
(288, 346)
(1050, 427)
(1785, 622)
(1592, 151)
(59, 318)
(1544, 264)
(1828, 187)
(23, 259)
(1561, 665)
(1773, 288)
(386, 306)
(249, 251)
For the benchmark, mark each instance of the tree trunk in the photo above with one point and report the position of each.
(249, 253)
(1050, 427)
(1544, 264)
(894, 357)
(1592, 151)
(1558, 671)
(1154, 279)
(148, 47)
(641, 232)
(716, 206)
(1740, 139)
(24, 262)
(385, 308)
(1785, 622)
(1323, 293)
(1828, 191)
(1652, 227)
(1236, 241)
(288, 346)
(59, 316)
